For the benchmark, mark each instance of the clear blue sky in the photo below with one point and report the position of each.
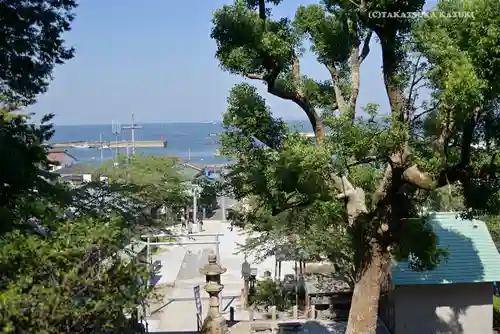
(157, 60)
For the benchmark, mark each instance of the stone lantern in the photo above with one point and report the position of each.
(214, 322)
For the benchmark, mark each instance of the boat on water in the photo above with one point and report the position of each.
(212, 134)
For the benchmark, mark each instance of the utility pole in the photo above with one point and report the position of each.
(101, 147)
(116, 129)
(133, 135)
(132, 128)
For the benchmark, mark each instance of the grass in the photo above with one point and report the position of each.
(161, 249)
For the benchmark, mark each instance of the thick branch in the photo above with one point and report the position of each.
(262, 9)
(355, 197)
(355, 83)
(339, 96)
(416, 117)
(297, 96)
(366, 47)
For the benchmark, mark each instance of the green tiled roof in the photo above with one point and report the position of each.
(472, 255)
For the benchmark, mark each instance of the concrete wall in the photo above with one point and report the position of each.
(444, 309)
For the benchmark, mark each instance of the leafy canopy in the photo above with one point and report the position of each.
(154, 181)
(31, 44)
(383, 165)
(60, 266)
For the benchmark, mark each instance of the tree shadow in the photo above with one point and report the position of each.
(317, 327)
(449, 298)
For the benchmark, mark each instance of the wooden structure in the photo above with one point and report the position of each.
(328, 293)
(455, 297)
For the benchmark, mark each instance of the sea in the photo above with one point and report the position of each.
(196, 142)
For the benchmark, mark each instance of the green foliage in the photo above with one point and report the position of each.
(493, 223)
(449, 198)
(70, 232)
(63, 266)
(82, 286)
(496, 312)
(248, 121)
(378, 170)
(333, 32)
(245, 44)
(31, 45)
(25, 169)
(464, 62)
(268, 293)
(153, 181)
(419, 244)
(210, 189)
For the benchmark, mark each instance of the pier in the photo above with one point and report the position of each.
(112, 145)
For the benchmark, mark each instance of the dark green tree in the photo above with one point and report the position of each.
(31, 44)
(380, 167)
(154, 182)
(62, 270)
(210, 190)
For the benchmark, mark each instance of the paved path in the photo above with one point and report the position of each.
(181, 315)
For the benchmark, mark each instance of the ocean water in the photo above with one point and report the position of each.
(195, 141)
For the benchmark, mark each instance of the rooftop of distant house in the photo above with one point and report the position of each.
(60, 156)
(76, 169)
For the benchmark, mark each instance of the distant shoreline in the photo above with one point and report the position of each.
(217, 122)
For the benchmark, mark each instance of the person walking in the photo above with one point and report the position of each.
(190, 227)
(183, 221)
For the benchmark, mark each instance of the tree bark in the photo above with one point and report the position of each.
(364, 304)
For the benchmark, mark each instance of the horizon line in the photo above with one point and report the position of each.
(157, 122)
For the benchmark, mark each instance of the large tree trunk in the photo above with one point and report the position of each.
(364, 305)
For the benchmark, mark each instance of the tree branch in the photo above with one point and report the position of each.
(339, 96)
(355, 197)
(414, 82)
(366, 47)
(296, 96)
(457, 173)
(424, 113)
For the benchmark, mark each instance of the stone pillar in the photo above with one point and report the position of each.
(214, 322)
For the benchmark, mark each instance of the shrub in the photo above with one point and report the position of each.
(268, 293)
(496, 312)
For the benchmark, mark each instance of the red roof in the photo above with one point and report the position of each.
(59, 155)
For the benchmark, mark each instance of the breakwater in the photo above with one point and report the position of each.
(112, 144)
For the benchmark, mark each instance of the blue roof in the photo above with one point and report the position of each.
(472, 255)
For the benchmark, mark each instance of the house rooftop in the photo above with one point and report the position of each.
(59, 155)
(76, 169)
(472, 255)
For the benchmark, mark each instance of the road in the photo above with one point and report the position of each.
(181, 315)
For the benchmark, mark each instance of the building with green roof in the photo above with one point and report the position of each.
(457, 296)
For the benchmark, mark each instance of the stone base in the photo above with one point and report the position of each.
(215, 325)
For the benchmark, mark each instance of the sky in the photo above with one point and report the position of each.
(157, 61)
